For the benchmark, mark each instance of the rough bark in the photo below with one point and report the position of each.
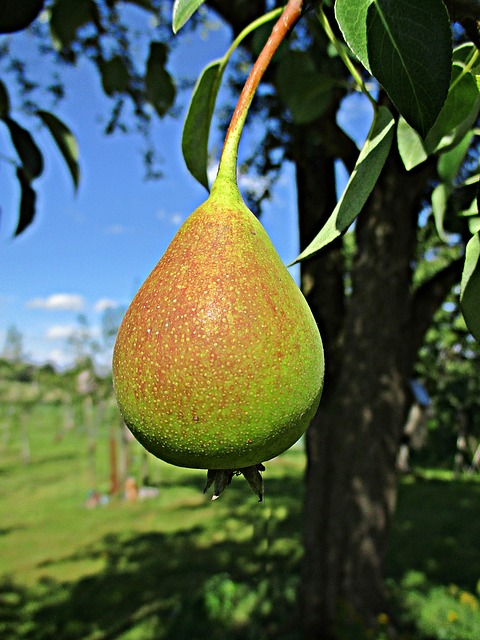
(353, 442)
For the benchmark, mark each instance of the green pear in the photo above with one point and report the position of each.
(218, 362)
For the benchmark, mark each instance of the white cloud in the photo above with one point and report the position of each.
(58, 302)
(254, 184)
(59, 358)
(60, 331)
(212, 171)
(104, 303)
(115, 229)
(174, 218)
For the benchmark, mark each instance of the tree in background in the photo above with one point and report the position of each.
(13, 346)
(375, 289)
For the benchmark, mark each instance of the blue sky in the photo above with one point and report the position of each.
(91, 250)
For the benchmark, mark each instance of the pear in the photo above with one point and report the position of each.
(218, 362)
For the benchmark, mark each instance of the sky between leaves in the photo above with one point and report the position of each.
(90, 251)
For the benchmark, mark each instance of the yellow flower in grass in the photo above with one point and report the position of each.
(469, 599)
(383, 619)
(452, 616)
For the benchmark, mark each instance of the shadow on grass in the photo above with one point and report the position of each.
(234, 576)
(436, 531)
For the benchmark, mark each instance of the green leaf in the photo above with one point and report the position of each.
(470, 287)
(115, 76)
(27, 149)
(304, 90)
(183, 11)
(364, 177)
(197, 123)
(27, 202)
(401, 37)
(4, 101)
(394, 40)
(450, 162)
(160, 86)
(351, 16)
(18, 14)
(410, 145)
(474, 225)
(455, 120)
(460, 106)
(67, 17)
(65, 141)
(440, 196)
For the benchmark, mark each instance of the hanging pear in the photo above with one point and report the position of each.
(218, 362)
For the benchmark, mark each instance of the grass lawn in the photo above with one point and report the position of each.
(179, 566)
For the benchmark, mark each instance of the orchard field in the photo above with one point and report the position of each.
(78, 562)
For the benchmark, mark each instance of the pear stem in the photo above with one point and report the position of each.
(228, 161)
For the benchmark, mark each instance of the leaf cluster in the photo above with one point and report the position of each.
(430, 111)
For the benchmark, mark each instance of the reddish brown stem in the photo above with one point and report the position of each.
(282, 27)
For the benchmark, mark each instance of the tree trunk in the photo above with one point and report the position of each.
(353, 441)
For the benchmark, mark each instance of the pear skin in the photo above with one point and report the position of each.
(218, 362)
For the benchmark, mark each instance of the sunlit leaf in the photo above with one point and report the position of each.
(450, 162)
(27, 202)
(18, 14)
(183, 11)
(458, 114)
(30, 155)
(470, 287)
(65, 141)
(362, 180)
(351, 16)
(197, 123)
(410, 145)
(440, 197)
(160, 86)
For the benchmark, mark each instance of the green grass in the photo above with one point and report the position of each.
(180, 566)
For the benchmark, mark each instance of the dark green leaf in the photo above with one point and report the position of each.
(183, 11)
(4, 101)
(351, 16)
(18, 14)
(197, 123)
(304, 90)
(65, 141)
(401, 37)
(470, 287)
(67, 17)
(115, 76)
(160, 86)
(364, 177)
(27, 203)
(27, 149)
